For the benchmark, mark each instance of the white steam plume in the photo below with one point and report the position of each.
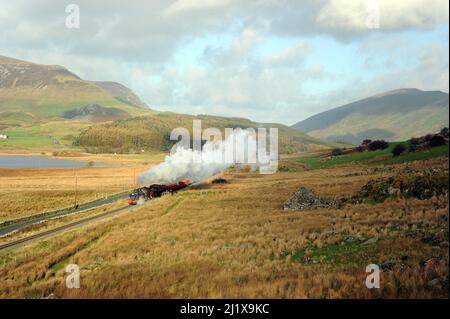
(197, 166)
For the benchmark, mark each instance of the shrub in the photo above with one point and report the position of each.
(398, 149)
(414, 141)
(337, 152)
(378, 145)
(414, 144)
(444, 132)
(427, 138)
(366, 142)
(436, 140)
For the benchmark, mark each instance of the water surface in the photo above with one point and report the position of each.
(25, 161)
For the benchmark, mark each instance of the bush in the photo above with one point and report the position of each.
(360, 148)
(414, 144)
(337, 152)
(378, 145)
(398, 149)
(414, 141)
(427, 138)
(436, 140)
(444, 132)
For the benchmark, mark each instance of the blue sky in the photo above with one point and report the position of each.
(270, 61)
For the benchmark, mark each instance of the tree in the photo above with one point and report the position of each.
(378, 145)
(427, 138)
(398, 149)
(436, 140)
(336, 152)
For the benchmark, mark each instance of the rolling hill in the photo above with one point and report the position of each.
(394, 115)
(122, 93)
(152, 133)
(49, 91)
(49, 106)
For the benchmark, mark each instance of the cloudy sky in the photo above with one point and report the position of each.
(268, 60)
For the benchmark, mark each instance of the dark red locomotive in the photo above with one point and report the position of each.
(155, 190)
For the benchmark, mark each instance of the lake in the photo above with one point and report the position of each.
(22, 161)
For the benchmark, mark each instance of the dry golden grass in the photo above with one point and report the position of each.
(24, 192)
(234, 240)
(56, 222)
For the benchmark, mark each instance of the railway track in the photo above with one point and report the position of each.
(51, 232)
(12, 226)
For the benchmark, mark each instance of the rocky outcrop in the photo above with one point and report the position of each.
(306, 199)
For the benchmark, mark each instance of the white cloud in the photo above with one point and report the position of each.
(136, 44)
(180, 7)
(290, 56)
(352, 16)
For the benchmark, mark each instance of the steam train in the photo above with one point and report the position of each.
(155, 190)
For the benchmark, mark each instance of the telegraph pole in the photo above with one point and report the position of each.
(134, 176)
(76, 188)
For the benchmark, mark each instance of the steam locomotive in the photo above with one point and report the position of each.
(155, 190)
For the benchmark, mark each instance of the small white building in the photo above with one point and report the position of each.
(3, 137)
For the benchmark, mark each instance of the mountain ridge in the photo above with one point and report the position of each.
(392, 115)
(41, 105)
(52, 90)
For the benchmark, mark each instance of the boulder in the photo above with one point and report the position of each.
(306, 199)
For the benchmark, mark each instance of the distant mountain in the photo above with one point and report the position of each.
(95, 113)
(49, 91)
(40, 104)
(122, 93)
(394, 115)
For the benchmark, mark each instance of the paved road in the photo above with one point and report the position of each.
(24, 222)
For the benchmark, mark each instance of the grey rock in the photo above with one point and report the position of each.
(434, 282)
(354, 239)
(431, 239)
(444, 244)
(388, 265)
(370, 241)
(306, 199)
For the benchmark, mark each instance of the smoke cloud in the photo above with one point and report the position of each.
(239, 148)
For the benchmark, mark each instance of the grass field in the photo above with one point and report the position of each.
(24, 192)
(24, 138)
(373, 157)
(57, 134)
(234, 240)
(419, 156)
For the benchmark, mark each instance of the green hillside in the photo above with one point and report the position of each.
(47, 91)
(152, 133)
(376, 157)
(393, 116)
(49, 106)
